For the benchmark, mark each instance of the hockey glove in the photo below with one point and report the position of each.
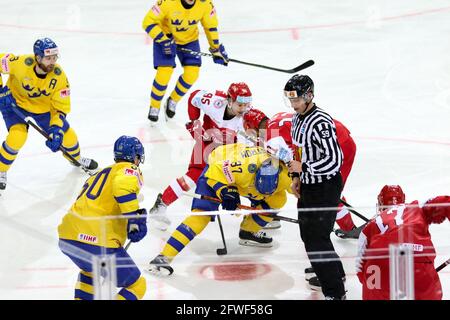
(230, 198)
(220, 56)
(56, 135)
(137, 227)
(169, 48)
(6, 98)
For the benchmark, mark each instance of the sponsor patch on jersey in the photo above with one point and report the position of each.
(156, 10)
(29, 61)
(64, 93)
(57, 71)
(303, 128)
(87, 238)
(5, 64)
(252, 168)
(414, 246)
(226, 169)
(131, 172)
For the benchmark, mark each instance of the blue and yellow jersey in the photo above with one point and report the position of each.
(111, 192)
(236, 165)
(33, 92)
(170, 17)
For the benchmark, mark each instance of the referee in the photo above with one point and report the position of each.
(318, 172)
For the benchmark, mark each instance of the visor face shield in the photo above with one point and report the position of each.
(242, 99)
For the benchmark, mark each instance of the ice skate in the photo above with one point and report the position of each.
(257, 239)
(170, 108)
(158, 214)
(314, 283)
(309, 273)
(153, 114)
(160, 266)
(2, 181)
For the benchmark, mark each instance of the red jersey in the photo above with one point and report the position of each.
(401, 224)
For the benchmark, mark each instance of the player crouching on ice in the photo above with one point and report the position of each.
(234, 170)
(398, 222)
(111, 192)
(37, 88)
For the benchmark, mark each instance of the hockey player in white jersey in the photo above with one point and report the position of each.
(223, 118)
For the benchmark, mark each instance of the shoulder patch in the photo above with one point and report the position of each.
(252, 168)
(57, 71)
(29, 61)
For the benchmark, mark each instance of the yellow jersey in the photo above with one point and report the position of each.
(111, 192)
(36, 93)
(236, 165)
(171, 17)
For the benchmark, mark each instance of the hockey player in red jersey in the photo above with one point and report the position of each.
(400, 223)
(221, 121)
(276, 132)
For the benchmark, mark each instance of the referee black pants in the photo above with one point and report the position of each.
(315, 229)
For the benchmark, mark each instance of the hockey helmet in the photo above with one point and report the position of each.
(299, 86)
(127, 148)
(267, 176)
(253, 118)
(45, 47)
(240, 92)
(391, 195)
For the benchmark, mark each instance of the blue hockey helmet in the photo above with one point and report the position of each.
(266, 180)
(127, 148)
(45, 47)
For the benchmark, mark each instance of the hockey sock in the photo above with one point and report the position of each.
(254, 222)
(84, 289)
(134, 292)
(185, 233)
(70, 143)
(344, 219)
(10, 148)
(176, 189)
(185, 82)
(159, 86)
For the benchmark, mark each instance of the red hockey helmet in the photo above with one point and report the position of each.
(240, 92)
(391, 195)
(253, 118)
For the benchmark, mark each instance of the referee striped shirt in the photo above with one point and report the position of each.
(315, 134)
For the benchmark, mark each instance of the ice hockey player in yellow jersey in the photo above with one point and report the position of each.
(96, 225)
(37, 87)
(234, 170)
(173, 25)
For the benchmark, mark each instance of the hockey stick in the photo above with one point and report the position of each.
(221, 251)
(208, 198)
(304, 65)
(356, 213)
(442, 266)
(127, 245)
(28, 120)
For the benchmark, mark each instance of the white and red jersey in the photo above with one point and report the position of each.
(213, 106)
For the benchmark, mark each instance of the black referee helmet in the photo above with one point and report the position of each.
(300, 84)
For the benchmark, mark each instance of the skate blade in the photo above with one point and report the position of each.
(159, 271)
(314, 288)
(250, 243)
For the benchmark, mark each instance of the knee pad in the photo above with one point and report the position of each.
(17, 136)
